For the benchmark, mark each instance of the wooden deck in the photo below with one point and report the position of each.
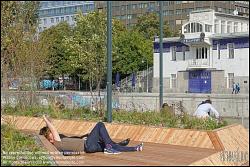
(162, 146)
(152, 155)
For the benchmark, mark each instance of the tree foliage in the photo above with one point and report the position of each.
(149, 26)
(57, 56)
(22, 55)
(87, 46)
(132, 51)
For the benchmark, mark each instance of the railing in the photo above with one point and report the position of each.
(142, 82)
(198, 63)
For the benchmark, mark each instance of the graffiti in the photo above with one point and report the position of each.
(138, 106)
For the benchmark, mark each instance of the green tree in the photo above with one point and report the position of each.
(58, 59)
(21, 52)
(149, 26)
(87, 46)
(130, 51)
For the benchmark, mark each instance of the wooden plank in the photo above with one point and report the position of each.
(215, 140)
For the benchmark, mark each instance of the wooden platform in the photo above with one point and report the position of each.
(163, 146)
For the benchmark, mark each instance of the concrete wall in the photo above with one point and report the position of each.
(182, 81)
(229, 105)
(218, 83)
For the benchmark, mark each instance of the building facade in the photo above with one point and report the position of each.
(211, 54)
(175, 13)
(53, 12)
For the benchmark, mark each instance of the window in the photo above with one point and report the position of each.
(178, 11)
(44, 21)
(223, 27)
(242, 27)
(201, 53)
(197, 53)
(208, 28)
(229, 27)
(52, 20)
(67, 18)
(235, 27)
(216, 26)
(165, 3)
(134, 6)
(171, 12)
(57, 19)
(218, 48)
(231, 50)
(230, 80)
(187, 28)
(198, 27)
(192, 27)
(205, 53)
(173, 81)
(184, 52)
(174, 53)
(62, 18)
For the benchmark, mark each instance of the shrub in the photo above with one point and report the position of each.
(164, 118)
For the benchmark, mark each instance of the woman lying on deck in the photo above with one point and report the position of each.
(97, 141)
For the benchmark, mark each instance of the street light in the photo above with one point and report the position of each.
(161, 56)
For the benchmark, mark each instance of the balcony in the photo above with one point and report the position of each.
(198, 64)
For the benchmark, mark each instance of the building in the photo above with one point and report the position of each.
(53, 12)
(175, 13)
(211, 54)
(242, 7)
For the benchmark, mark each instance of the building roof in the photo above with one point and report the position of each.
(214, 36)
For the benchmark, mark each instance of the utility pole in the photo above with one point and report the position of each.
(161, 56)
(109, 62)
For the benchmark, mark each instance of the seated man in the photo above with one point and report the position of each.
(97, 141)
(205, 109)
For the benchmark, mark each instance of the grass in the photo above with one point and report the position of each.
(165, 118)
(18, 149)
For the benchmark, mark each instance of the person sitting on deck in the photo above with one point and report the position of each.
(205, 109)
(98, 140)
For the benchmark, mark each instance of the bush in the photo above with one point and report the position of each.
(165, 118)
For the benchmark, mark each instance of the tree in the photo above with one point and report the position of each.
(131, 49)
(21, 52)
(57, 57)
(87, 46)
(149, 26)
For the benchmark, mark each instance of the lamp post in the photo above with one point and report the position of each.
(161, 56)
(109, 62)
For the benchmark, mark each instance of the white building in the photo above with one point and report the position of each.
(211, 54)
(53, 12)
